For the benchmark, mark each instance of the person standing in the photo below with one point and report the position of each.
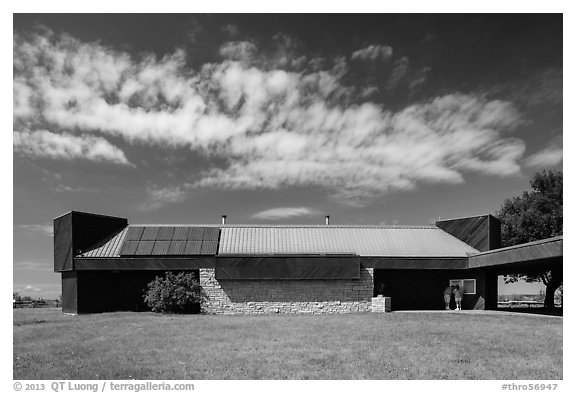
(458, 297)
(448, 295)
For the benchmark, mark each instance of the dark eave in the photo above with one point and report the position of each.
(541, 254)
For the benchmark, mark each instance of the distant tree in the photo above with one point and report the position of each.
(174, 293)
(559, 295)
(16, 296)
(535, 215)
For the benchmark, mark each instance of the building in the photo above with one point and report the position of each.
(106, 263)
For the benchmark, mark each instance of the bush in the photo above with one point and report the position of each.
(175, 293)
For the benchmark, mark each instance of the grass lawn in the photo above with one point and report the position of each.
(50, 345)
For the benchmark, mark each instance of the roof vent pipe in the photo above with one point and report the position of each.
(327, 218)
(223, 219)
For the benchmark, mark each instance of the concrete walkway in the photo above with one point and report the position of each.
(480, 312)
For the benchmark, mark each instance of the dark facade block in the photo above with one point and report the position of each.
(63, 245)
(287, 268)
(146, 263)
(70, 292)
(481, 232)
(77, 232)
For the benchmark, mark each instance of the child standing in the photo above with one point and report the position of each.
(458, 297)
(448, 295)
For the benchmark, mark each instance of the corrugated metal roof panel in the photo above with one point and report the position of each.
(165, 233)
(209, 248)
(193, 247)
(161, 247)
(128, 248)
(177, 247)
(180, 233)
(195, 233)
(211, 234)
(424, 241)
(145, 247)
(366, 241)
(150, 233)
(134, 233)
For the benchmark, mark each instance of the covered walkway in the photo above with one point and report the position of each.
(532, 257)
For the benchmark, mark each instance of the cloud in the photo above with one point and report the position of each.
(66, 188)
(420, 78)
(42, 228)
(398, 73)
(33, 265)
(45, 144)
(261, 125)
(533, 90)
(230, 29)
(38, 289)
(545, 158)
(373, 53)
(158, 197)
(238, 50)
(280, 213)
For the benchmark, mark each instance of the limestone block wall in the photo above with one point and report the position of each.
(381, 304)
(287, 296)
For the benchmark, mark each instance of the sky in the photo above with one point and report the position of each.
(276, 119)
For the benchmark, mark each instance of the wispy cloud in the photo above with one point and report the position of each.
(280, 213)
(398, 73)
(231, 29)
(42, 228)
(33, 266)
(45, 144)
(66, 188)
(238, 50)
(373, 52)
(158, 197)
(535, 89)
(545, 158)
(50, 291)
(267, 124)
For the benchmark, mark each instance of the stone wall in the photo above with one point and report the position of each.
(381, 304)
(287, 296)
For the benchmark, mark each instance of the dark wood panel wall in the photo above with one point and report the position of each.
(63, 255)
(480, 232)
(76, 232)
(70, 292)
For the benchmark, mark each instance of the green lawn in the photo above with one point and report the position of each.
(50, 345)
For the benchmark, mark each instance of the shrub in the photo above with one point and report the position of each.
(174, 293)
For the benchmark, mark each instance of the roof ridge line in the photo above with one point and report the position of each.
(289, 226)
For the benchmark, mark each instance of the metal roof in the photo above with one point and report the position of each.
(386, 241)
(424, 241)
(170, 240)
(109, 247)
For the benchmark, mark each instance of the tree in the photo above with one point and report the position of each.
(535, 215)
(174, 293)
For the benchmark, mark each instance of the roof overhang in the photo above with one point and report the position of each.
(444, 263)
(533, 256)
(145, 263)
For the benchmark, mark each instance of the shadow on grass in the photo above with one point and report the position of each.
(558, 311)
